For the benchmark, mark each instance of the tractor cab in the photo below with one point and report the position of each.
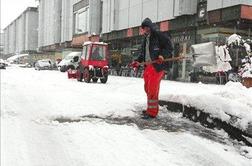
(93, 63)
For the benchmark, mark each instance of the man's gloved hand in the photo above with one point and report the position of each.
(160, 59)
(134, 64)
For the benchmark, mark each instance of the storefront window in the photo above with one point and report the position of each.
(82, 21)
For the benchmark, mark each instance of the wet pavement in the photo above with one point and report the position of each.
(170, 122)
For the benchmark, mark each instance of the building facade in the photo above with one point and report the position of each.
(66, 24)
(122, 14)
(86, 21)
(1, 45)
(21, 36)
(219, 4)
(63, 25)
(186, 22)
(195, 19)
(49, 22)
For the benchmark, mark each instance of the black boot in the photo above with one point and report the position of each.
(146, 116)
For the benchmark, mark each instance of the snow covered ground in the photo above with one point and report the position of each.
(221, 101)
(31, 100)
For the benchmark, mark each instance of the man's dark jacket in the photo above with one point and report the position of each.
(159, 45)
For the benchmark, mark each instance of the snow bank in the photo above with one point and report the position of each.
(15, 57)
(221, 102)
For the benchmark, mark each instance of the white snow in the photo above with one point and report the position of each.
(89, 42)
(247, 74)
(220, 101)
(234, 39)
(247, 47)
(247, 151)
(246, 70)
(31, 99)
(15, 57)
(237, 40)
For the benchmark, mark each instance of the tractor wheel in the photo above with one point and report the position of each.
(63, 68)
(104, 80)
(79, 75)
(70, 67)
(95, 80)
(86, 76)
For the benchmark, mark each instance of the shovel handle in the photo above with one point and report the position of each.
(165, 60)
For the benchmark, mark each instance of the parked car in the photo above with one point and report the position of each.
(27, 65)
(3, 64)
(44, 64)
(71, 61)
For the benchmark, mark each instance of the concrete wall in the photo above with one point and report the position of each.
(1, 43)
(67, 20)
(166, 10)
(94, 16)
(27, 31)
(49, 22)
(31, 30)
(22, 34)
(122, 14)
(20, 31)
(12, 38)
(6, 40)
(1, 39)
(185, 7)
(56, 21)
(110, 15)
(41, 25)
(217, 4)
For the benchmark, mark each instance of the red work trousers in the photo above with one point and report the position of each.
(152, 80)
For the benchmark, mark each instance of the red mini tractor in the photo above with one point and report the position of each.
(93, 64)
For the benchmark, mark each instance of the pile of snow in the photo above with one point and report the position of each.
(223, 57)
(247, 47)
(247, 74)
(234, 39)
(16, 57)
(246, 70)
(89, 42)
(222, 102)
(238, 41)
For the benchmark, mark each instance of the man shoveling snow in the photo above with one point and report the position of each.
(155, 47)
